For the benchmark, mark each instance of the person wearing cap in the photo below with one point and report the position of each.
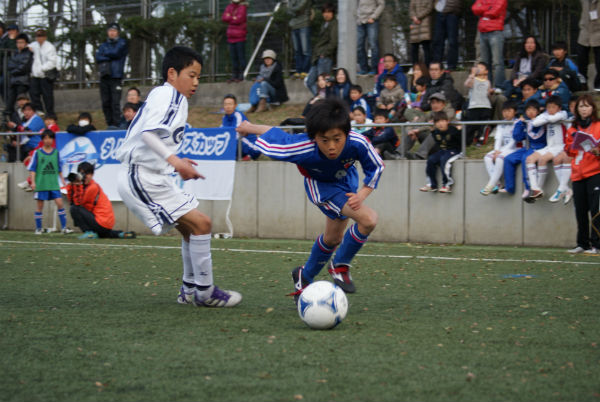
(111, 56)
(19, 67)
(269, 86)
(43, 72)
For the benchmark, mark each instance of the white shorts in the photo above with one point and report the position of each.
(154, 198)
(553, 149)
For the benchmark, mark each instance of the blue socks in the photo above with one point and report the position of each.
(353, 241)
(62, 216)
(319, 255)
(38, 219)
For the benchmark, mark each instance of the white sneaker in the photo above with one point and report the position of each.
(487, 190)
(39, 231)
(576, 250)
(23, 184)
(556, 196)
(592, 250)
(568, 196)
(66, 230)
(219, 298)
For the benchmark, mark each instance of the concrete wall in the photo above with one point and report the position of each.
(269, 202)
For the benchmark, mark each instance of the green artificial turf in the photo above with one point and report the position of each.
(97, 320)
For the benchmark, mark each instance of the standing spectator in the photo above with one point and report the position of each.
(19, 67)
(134, 96)
(391, 66)
(420, 29)
(43, 72)
(491, 15)
(300, 23)
(367, 15)
(446, 27)
(585, 175)
(325, 49)
(441, 82)
(589, 39)
(8, 45)
(110, 57)
(235, 16)
(529, 63)
(269, 86)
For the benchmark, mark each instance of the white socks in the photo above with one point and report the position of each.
(498, 169)
(532, 176)
(188, 270)
(199, 251)
(563, 174)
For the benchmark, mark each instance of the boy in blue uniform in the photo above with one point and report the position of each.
(233, 118)
(325, 156)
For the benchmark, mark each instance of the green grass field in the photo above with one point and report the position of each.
(97, 320)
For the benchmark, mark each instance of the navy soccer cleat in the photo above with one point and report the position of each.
(299, 283)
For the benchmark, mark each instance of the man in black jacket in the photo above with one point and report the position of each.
(443, 83)
(19, 67)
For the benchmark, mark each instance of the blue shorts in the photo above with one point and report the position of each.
(47, 195)
(329, 197)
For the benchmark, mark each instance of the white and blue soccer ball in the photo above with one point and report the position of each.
(322, 305)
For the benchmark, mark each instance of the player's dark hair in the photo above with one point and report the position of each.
(390, 77)
(51, 116)
(131, 106)
(532, 103)
(551, 72)
(559, 45)
(529, 81)
(483, 63)
(380, 112)
(22, 36)
(85, 168)
(437, 116)
(48, 133)
(360, 109)
(230, 96)
(423, 81)
(356, 88)
(85, 115)
(328, 7)
(178, 58)
(28, 105)
(439, 63)
(327, 114)
(135, 89)
(555, 100)
(392, 55)
(509, 105)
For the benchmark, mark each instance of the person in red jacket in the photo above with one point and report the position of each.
(585, 175)
(491, 15)
(91, 209)
(235, 16)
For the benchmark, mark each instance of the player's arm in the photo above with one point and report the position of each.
(372, 166)
(355, 200)
(246, 128)
(183, 166)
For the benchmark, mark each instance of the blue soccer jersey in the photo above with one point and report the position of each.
(326, 180)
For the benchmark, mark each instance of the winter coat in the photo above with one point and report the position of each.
(8, 47)
(589, 30)
(235, 15)
(368, 9)
(300, 10)
(276, 81)
(491, 14)
(444, 85)
(113, 51)
(539, 61)
(423, 10)
(452, 7)
(400, 78)
(19, 67)
(326, 45)
(44, 59)
(588, 164)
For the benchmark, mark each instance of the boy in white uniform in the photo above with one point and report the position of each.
(148, 187)
(555, 145)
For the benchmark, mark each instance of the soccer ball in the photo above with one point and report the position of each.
(322, 305)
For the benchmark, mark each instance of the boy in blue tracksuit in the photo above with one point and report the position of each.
(233, 118)
(532, 138)
(325, 156)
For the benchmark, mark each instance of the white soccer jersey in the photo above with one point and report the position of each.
(165, 112)
(504, 140)
(554, 128)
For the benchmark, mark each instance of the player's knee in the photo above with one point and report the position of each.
(369, 221)
(201, 224)
(333, 240)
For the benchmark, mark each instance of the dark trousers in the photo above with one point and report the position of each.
(237, 52)
(583, 59)
(446, 27)
(11, 150)
(13, 91)
(42, 89)
(476, 114)
(110, 93)
(440, 158)
(414, 51)
(85, 220)
(586, 197)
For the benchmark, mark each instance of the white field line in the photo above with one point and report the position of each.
(239, 250)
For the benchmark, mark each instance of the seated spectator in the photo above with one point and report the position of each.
(443, 83)
(567, 69)
(91, 209)
(134, 96)
(479, 106)
(83, 126)
(269, 87)
(359, 116)
(325, 50)
(504, 145)
(31, 123)
(391, 97)
(529, 91)
(129, 112)
(448, 140)
(383, 139)
(356, 96)
(323, 80)
(51, 122)
(340, 88)
(553, 85)
(423, 133)
(416, 96)
(233, 118)
(391, 66)
(11, 123)
(530, 62)
(417, 71)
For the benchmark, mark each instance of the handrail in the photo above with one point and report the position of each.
(261, 40)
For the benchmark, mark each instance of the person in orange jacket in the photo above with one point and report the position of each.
(585, 174)
(91, 209)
